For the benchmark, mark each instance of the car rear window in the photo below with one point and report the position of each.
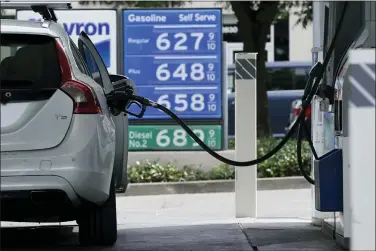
(29, 62)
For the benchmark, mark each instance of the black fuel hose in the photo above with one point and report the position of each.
(148, 102)
(306, 175)
(221, 158)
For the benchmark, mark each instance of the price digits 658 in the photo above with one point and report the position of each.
(182, 102)
(180, 138)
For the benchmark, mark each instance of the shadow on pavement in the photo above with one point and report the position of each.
(29, 238)
(211, 237)
(297, 236)
(224, 237)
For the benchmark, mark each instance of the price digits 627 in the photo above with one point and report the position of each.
(179, 138)
(182, 102)
(178, 41)
(195, 72)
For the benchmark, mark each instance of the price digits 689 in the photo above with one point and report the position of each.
(180, 138)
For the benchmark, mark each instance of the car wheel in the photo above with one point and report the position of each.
(98, 225)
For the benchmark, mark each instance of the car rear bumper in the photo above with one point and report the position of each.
(81, 166)
(77, 184)
(37, 183)
(38, 198)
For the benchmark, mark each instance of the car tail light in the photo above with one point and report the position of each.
(297, 111)
(85, 100)
(308, 112)
(83, 97)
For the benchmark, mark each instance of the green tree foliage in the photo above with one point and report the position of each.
(304, 11)
(283, 164)
(255, 18)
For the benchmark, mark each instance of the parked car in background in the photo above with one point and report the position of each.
(286, 82)
(296, 109)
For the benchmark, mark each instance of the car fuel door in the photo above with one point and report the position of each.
(94, 62)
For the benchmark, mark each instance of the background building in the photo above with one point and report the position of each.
(287, 41)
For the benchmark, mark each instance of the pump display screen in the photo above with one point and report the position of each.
(329, 135)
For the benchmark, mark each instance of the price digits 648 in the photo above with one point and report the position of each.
(180, 138)
(195, 72)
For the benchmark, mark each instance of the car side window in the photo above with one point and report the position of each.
(79, 61)
(92, 65)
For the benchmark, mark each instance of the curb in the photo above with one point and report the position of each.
(212, 186)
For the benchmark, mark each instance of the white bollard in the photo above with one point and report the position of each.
(245, 134)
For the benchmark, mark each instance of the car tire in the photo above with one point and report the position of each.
(98, 225)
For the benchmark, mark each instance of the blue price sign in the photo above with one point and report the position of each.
(175, 58)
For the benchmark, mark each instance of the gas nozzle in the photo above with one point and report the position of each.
(123, 99)
(313, 74)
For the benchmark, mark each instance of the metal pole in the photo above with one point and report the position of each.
(317, 116)
(224, 97)
(245, 134)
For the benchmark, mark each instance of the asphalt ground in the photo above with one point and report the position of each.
(196, 222)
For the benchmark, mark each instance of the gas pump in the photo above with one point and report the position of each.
(345, 81)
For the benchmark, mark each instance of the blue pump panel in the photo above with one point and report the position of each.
(329, 182)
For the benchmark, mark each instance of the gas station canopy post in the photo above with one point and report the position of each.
(360, 85)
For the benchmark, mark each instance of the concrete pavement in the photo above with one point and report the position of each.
(212, 186)
(200, 222)
(177, 210)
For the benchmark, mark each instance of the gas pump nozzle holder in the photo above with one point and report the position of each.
(328, 172)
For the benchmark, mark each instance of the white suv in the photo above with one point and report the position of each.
(58, 132)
